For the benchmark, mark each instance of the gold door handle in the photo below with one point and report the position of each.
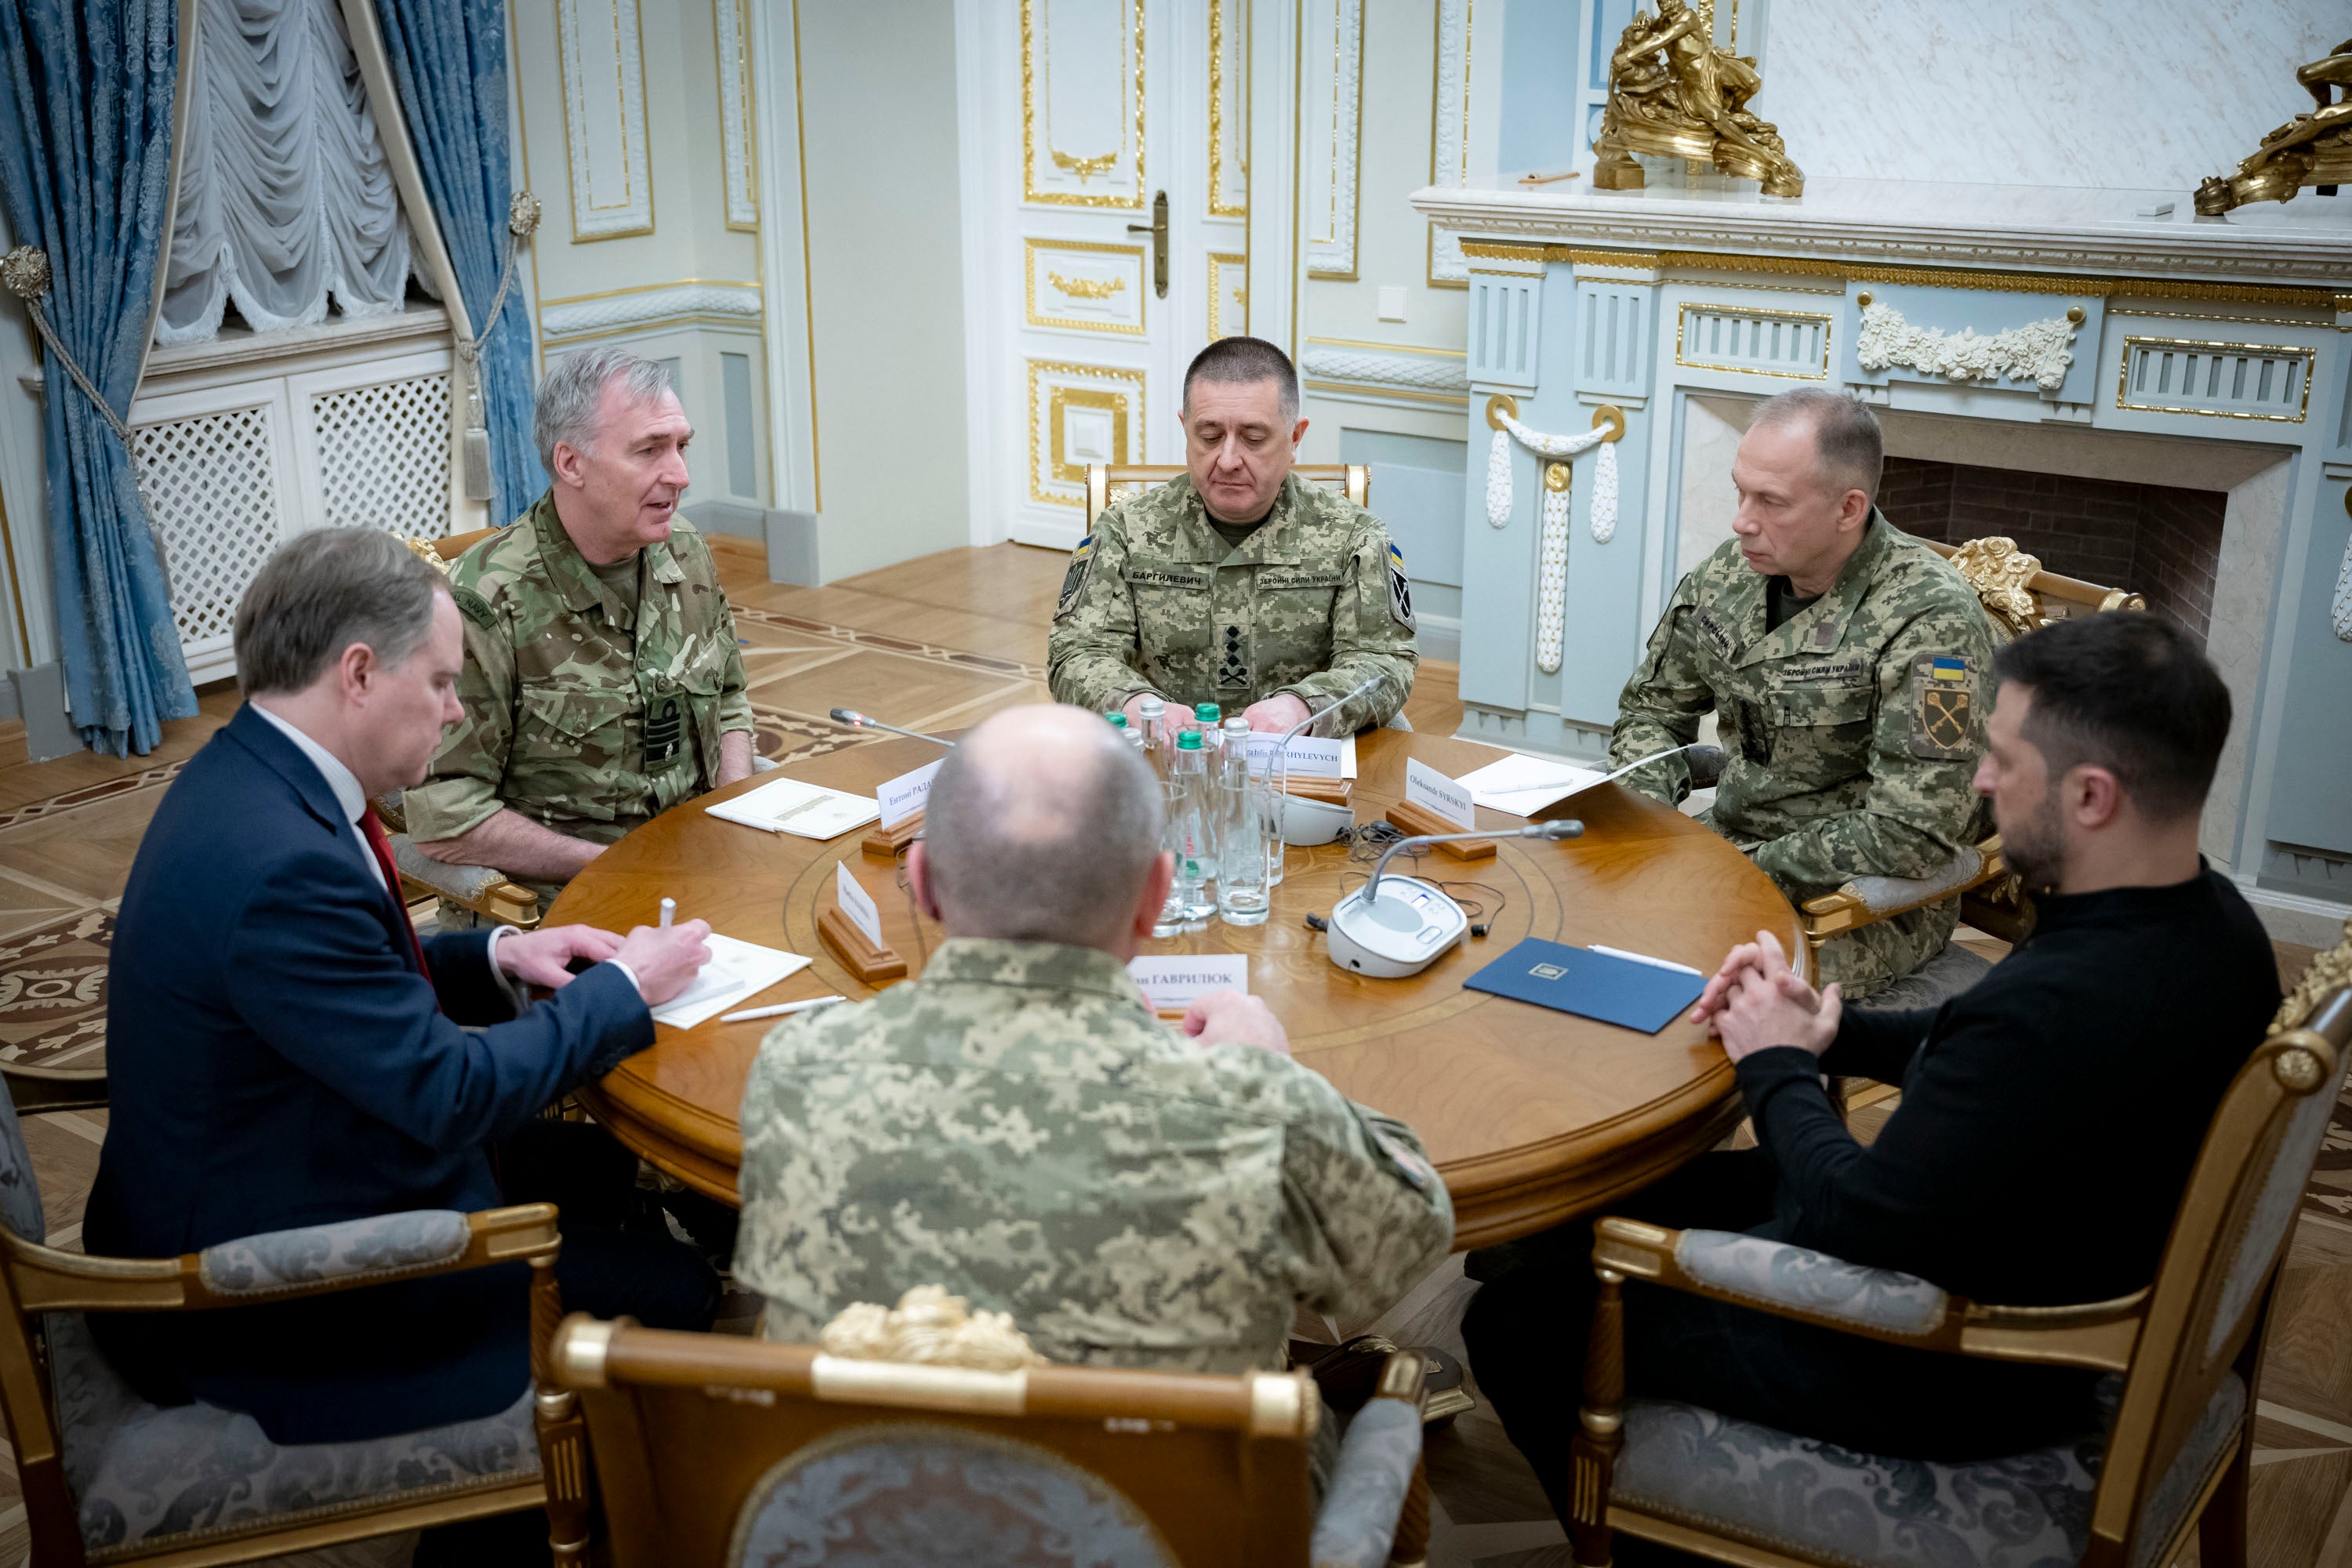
(1158, 229)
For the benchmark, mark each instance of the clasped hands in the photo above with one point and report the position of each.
(1757, 1002)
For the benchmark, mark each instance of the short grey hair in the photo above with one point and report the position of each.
(569, 393)
(1848, 451)
(1242, 362)
(1078, 882)
(322, 592)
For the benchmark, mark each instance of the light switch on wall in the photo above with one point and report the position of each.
(1391, 301)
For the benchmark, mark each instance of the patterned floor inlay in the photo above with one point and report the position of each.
(53, 993)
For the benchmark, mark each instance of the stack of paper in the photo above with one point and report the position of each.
(735, 969)
(1524, 786)
(788, 806)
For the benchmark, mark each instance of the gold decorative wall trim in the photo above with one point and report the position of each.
(1033, 248)
(1045, 423)
(2310, 358)
(1390, 348)
(2138, 312)
(1087, 164)
(1745, 313)
(1220, 203)
(1488, 250)
(1383, 393)
(1219, 259)
(2080, 285)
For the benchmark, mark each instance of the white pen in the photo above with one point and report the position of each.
(669, 912)
(781, 1008)
(1641, 958)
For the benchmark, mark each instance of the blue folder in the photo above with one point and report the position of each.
(1589, 984)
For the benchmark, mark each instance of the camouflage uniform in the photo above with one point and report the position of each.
(1312, 603)
(584, 711)
(1850, 733)
(1018, 1127)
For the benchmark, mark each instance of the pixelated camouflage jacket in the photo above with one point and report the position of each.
(582, 710)
(1313, 603)
(1017, 1126)
(1850, 734)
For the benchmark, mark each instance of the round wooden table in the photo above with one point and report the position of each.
(1533, 1115)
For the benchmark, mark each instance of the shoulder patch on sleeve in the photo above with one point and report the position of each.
(1400, 589)
(1944, 719)
(473, 606)
(1075, 579)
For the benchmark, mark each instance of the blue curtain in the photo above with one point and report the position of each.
(449, 60)
(86, 170)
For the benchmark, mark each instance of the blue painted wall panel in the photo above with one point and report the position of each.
(2311, 794)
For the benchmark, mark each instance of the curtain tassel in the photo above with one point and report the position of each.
(474, 447)
(25, 271)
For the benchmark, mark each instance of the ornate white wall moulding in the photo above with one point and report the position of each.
(1449, 134)
(1422, 372)
(601, 315)
(601, 46)
(2040, 352)
(1330, 114)
(736, 108)
(1082, 107)
(2222, 380)
(1228, 293)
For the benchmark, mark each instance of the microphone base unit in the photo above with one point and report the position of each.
(1411, 927)
(1306, 822)
(1415, 820)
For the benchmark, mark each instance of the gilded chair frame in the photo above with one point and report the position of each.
(1988, 901)
(35, 1279)
(682, 1425)
(1355, 479)
(502, 902)
(2156, 1338)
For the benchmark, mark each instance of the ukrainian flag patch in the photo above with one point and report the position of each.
(1943, 669)
(1400, 589)
(1075, 579)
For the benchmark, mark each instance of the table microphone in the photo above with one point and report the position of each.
(1306, 822)
(1567, 828)
(1402, 934)
(856, 721)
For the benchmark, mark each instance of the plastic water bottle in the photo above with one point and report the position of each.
(1118, 720)
(1194, 803)
(1244, 896)
(1209, 716)
(1153, 713)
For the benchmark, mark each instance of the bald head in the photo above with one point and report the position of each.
(1041, 826)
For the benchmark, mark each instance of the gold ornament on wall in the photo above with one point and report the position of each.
(2313, 149)
(1674, 94)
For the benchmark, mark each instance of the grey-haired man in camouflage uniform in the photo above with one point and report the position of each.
(1845, 661)
(1240, 584)
(1019, 1127)
(603, 681)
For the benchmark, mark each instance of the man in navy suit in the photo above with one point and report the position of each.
(284, 1052)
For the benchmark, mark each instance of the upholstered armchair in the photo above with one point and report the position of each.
(109, 1478)
(2182, 1354)
(714, 1451)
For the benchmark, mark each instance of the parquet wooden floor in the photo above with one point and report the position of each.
(941, 642)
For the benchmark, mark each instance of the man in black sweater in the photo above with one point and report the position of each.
(2048, 1121)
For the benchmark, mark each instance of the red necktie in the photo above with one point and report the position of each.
(372, 829)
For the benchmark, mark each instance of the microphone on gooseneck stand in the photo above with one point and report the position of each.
(1568, 827)
(1290, 735)
(1402, 930)
(856, 721)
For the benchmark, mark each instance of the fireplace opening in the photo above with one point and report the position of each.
(2159, 541)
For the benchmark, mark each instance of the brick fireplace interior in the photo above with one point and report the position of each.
(2155, 540)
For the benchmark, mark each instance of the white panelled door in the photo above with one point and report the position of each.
(1124, 226)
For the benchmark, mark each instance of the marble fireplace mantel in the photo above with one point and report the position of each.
(1923, 223)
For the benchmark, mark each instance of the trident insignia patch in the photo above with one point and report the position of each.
(1943, 711)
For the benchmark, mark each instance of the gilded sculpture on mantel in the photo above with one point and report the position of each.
(2313, 149)
(1674, 94)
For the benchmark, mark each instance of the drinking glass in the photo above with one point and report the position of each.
(1242, 897)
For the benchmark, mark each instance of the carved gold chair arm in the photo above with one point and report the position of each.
(283, 1265)
(1865, 901)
